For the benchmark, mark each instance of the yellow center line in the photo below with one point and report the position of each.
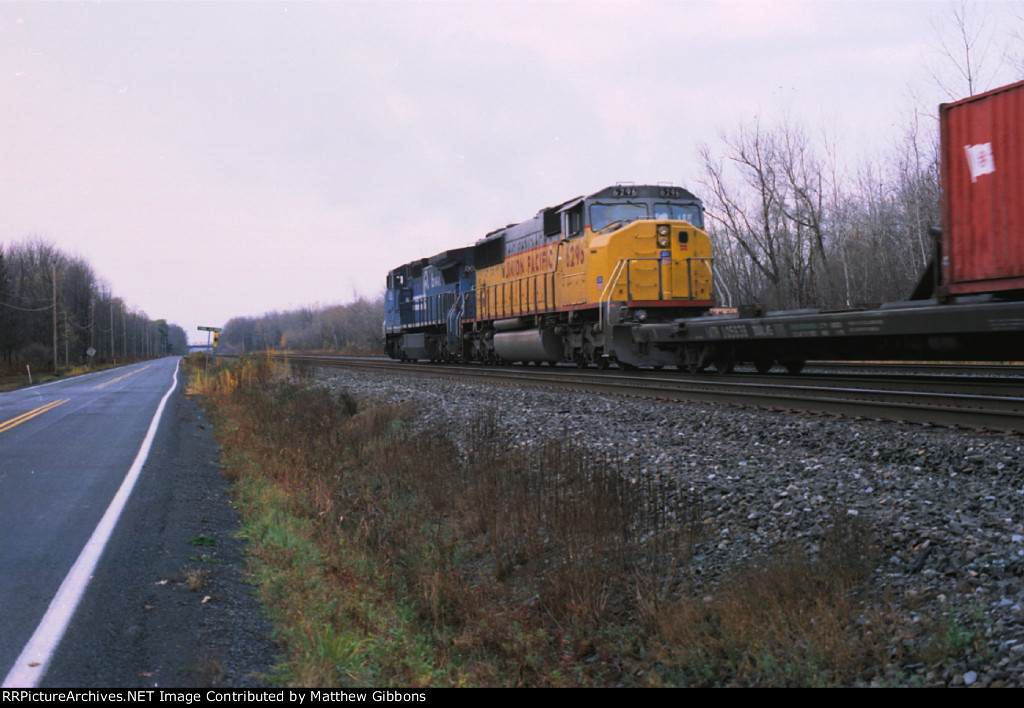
(120, 377)
(8, 424)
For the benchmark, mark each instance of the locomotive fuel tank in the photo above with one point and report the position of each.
(528, 345)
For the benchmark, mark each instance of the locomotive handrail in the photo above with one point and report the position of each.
(456, 313)
(604, 302)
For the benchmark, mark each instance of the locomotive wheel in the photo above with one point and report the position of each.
(763, 366)
(794, 366)
(724, 364)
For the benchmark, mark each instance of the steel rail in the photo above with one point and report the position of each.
(919, 368)
(972, 403)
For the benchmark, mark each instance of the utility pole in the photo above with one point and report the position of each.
(53, 280)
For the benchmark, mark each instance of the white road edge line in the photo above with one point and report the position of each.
(35, 658)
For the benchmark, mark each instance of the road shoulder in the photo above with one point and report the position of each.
(169, 604)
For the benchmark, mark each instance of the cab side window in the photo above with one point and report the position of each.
(574, 222)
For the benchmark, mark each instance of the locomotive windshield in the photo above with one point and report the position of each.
(679, 212)
(604, 216)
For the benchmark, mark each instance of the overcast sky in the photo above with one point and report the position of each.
(230, 158)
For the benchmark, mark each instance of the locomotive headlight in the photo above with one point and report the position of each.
(664, 235)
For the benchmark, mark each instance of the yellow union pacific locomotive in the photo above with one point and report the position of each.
(587, 281)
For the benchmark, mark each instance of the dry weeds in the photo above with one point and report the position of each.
(448, 558)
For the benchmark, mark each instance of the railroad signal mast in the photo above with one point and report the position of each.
(213, 332)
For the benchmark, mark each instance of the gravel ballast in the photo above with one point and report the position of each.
(947, 506)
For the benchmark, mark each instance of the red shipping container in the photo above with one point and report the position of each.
(983, 191)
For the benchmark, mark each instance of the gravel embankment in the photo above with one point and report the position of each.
(947, 506)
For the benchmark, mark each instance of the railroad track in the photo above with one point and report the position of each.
(918, 368)
(984, 403)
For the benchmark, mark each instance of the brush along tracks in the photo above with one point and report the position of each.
(982, 403)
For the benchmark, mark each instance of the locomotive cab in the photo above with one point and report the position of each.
(648, 245)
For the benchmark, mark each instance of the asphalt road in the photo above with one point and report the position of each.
(65, 451)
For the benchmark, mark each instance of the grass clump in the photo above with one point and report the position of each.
(390, 557)
(789, 621)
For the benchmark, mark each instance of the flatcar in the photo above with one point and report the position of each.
(571, 284)
(969, 305)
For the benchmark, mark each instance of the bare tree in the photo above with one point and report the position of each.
(53, 309)
(966, 44)
(1014, 55)
(353, 327)
(767, 198)
(790, 231)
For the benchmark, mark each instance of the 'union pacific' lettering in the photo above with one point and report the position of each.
(529, 263)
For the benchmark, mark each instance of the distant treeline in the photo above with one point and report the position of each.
(352, 328)
(53, 303)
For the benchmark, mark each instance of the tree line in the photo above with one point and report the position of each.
(55, 311)
(354, 328)
(791, 229)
